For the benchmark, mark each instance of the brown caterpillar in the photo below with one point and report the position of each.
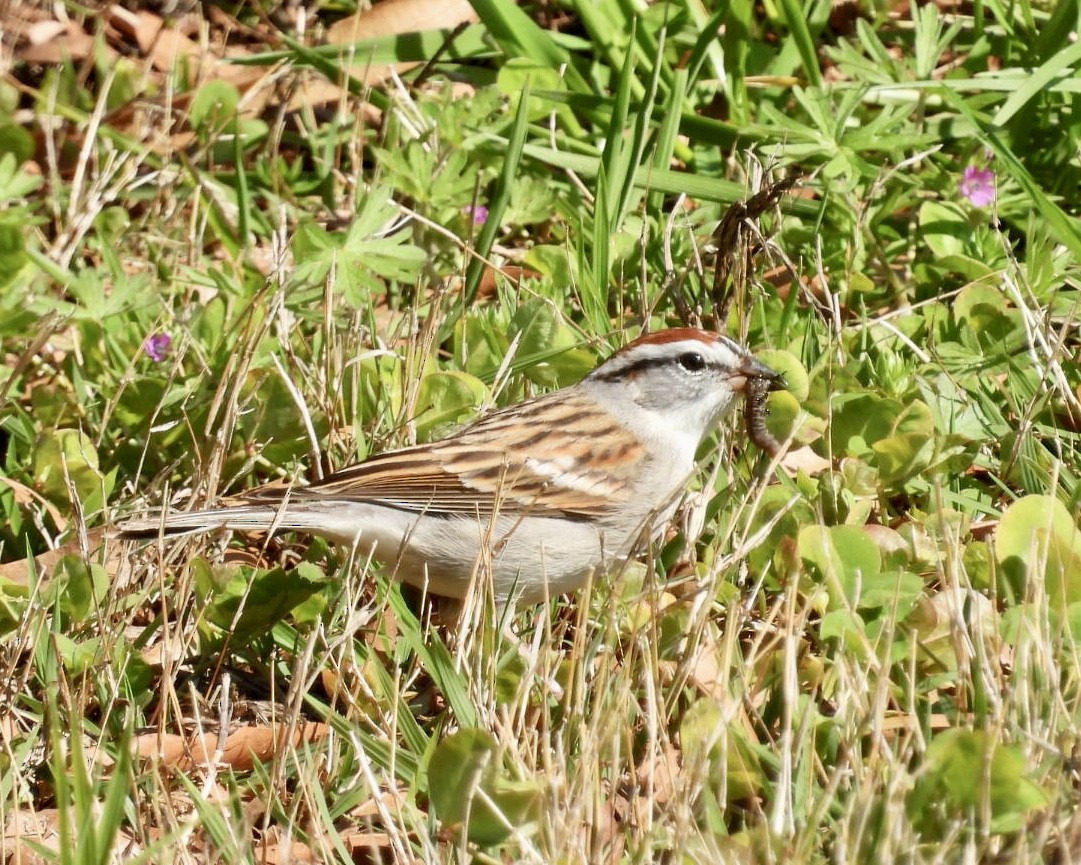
(755, 411)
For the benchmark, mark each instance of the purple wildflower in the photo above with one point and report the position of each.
(478, 211)
(157, 346)
(978, 185)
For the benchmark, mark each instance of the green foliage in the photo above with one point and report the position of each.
(244, 603)
(865, 649)
(967, 774)
(469, 792)
(374, 249)
(1038, 548)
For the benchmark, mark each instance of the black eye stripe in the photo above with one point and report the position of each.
(617, 373)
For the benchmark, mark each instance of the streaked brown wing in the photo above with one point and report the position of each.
(509, 461)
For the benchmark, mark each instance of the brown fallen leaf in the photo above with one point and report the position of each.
(25, 827)
(57, 45)
(705, 671)
(277, 849)
(392, 17)
(19, 571)
(24, 830)
(389, 18)
(43, 32)
(982, 530)
(489, 278)
(356, 842)
(240, 750)
(804, 459)
(886, 539)
(142, 27)
(392, 800)
(659, 772)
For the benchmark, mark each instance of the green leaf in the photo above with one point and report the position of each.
(845, 626)
(891, 590)
(517, 73)
(1039, 541)
(469, 791)
(1036, 82)
(15, 183)
(555, 262)
(861, 419)
(966, 770)
(797, 22)
(842, 557)
(437, 661)
(519, 36)
(796, 380)
(447, 398)
(70, 454)
(722, 748)
(944, 227)
(251, 602)
(361, 258)
(546, 345)
(81, 588)
(213, 105)
(900, 457)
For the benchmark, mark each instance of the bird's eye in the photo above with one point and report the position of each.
(692, 361)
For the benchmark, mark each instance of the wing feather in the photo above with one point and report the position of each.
(510, 461)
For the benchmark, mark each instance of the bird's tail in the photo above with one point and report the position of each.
(243, 518)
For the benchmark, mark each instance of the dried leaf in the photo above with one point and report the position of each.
(392, 17)
(141, 27)
(804, 459)
(68, 43)
(388, 18)
(240, 750)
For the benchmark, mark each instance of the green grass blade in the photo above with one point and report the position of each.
(519, 36)
(500, 197)
(437, 660)
(805, 43)
(617, 156)
(736, 42)
(667, 134)
(602, 238)
(667, 182)
(1037, 82)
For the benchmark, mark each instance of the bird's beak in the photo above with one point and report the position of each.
(755, 369)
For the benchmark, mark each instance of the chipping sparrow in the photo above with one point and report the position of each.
(537, 496)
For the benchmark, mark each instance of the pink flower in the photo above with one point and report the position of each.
(157, 346)
(978, 185)
(478, 211)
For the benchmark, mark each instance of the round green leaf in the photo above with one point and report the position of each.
(1037, 539)
(467, 791)
(843, 557)
(16, 140)
(966, 770)
(796, 381)
(547, 344)
(447, 398)
(517, 72)
(215, 102)
(708, 740)
(944, 227)
(900, 457)
(72, 452)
